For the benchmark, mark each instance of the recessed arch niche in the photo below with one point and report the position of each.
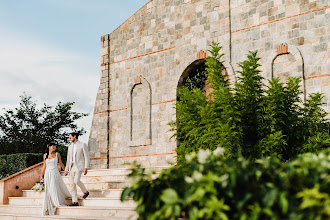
(289, 62)
(140, 113)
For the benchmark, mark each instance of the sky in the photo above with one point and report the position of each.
(50, 50)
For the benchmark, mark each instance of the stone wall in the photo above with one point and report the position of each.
(302, 25)
(143, 60)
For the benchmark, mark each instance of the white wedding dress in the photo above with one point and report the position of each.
(55, 188)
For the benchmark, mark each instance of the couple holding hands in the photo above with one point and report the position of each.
(55, 189)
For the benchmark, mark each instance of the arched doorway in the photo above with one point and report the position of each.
(194, 76)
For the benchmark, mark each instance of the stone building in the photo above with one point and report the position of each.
(144, 60)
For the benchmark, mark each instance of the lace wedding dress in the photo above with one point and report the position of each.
(55, 188)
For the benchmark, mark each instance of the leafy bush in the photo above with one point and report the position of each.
(210, 186)
(247, 116)
(63, 150)
(13, 163)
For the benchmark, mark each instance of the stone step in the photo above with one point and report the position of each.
(104, 202)
(9, 216)
(97, 211)
(93, 193)
(104, 178)
(118, 171)
(104, 172)
(89, 202)
(102, 185)
(120, 212)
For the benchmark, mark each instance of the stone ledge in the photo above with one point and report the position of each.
(138, 143)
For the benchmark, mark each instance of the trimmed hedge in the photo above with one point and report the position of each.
(13, 163)
(210, 186)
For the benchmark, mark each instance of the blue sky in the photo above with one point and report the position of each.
(50, 49)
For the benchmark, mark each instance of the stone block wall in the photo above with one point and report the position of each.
(302, 25)
(99, 135)
(143, 60)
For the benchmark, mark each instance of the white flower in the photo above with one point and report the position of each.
(133, 180)
(321, 155)
(323, 175)
(188, 179)
(219, 151)
(190, 156)
(39, 187)
(203, 155)
(197, 176)
(224, 180)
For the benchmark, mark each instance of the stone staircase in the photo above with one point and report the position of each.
(105, 187)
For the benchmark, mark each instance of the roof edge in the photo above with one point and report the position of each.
(128, 18)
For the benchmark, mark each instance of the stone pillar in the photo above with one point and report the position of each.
(98, 144)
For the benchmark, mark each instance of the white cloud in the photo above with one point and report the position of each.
(48, 73)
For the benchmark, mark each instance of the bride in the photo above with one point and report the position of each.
(55, 188)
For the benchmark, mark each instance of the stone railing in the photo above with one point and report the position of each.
(13, 185)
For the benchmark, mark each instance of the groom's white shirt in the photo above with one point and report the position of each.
(81, 156)
(74, 152)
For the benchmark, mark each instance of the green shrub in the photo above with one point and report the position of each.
(63, 150)
(207, 122)
(13, 163)
(211, 186)
(247, 116)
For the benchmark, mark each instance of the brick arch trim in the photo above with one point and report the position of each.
(185, 67)
(186, 71)
(293, 50)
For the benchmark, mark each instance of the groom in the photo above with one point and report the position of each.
(77, 163)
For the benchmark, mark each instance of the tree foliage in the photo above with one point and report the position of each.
(28, 129)
(248, 116)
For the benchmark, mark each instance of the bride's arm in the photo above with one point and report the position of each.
(43, 169)
(60, 161)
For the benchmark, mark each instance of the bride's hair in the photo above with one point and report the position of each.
(47, 149)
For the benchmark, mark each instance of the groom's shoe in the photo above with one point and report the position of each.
(85, 195)
(74, 204)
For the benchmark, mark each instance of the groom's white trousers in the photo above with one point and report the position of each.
(74, 181)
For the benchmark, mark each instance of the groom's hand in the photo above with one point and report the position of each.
(66, 173)
(85, 171)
